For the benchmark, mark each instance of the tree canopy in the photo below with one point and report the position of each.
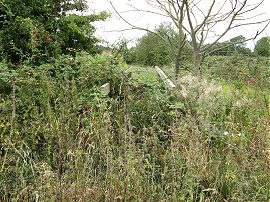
(152, 49)
(262, 47)
(36, 30)
(234, 45)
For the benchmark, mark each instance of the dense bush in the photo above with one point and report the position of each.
(36, 30)
(241, 70)
(150, 110)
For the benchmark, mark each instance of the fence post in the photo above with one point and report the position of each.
(168, 83)
(106, 88)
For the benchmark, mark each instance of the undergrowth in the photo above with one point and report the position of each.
(63, 139)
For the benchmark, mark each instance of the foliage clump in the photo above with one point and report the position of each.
(35, 31)
(159, 47)
(262, 47)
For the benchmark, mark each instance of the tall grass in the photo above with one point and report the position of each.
(71, 143)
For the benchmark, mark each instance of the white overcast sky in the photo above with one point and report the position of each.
(111, 29)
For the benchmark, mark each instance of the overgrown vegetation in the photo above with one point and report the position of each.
(63, 139)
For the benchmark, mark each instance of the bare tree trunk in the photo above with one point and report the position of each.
(197, 59)
(177, 58)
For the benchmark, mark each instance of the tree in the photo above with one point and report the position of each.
(262, 47)
(120, 51)
(152, 50)
(234, 45)
(239, 45)
(36, 30)
(146, 50)
(176, 41)
(198, 20)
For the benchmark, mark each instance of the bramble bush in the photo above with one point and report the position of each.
(239, 70)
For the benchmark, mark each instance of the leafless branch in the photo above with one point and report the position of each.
(199, 24)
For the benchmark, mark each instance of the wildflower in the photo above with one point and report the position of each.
(239, 134)
(226, 133)
(184, 92)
